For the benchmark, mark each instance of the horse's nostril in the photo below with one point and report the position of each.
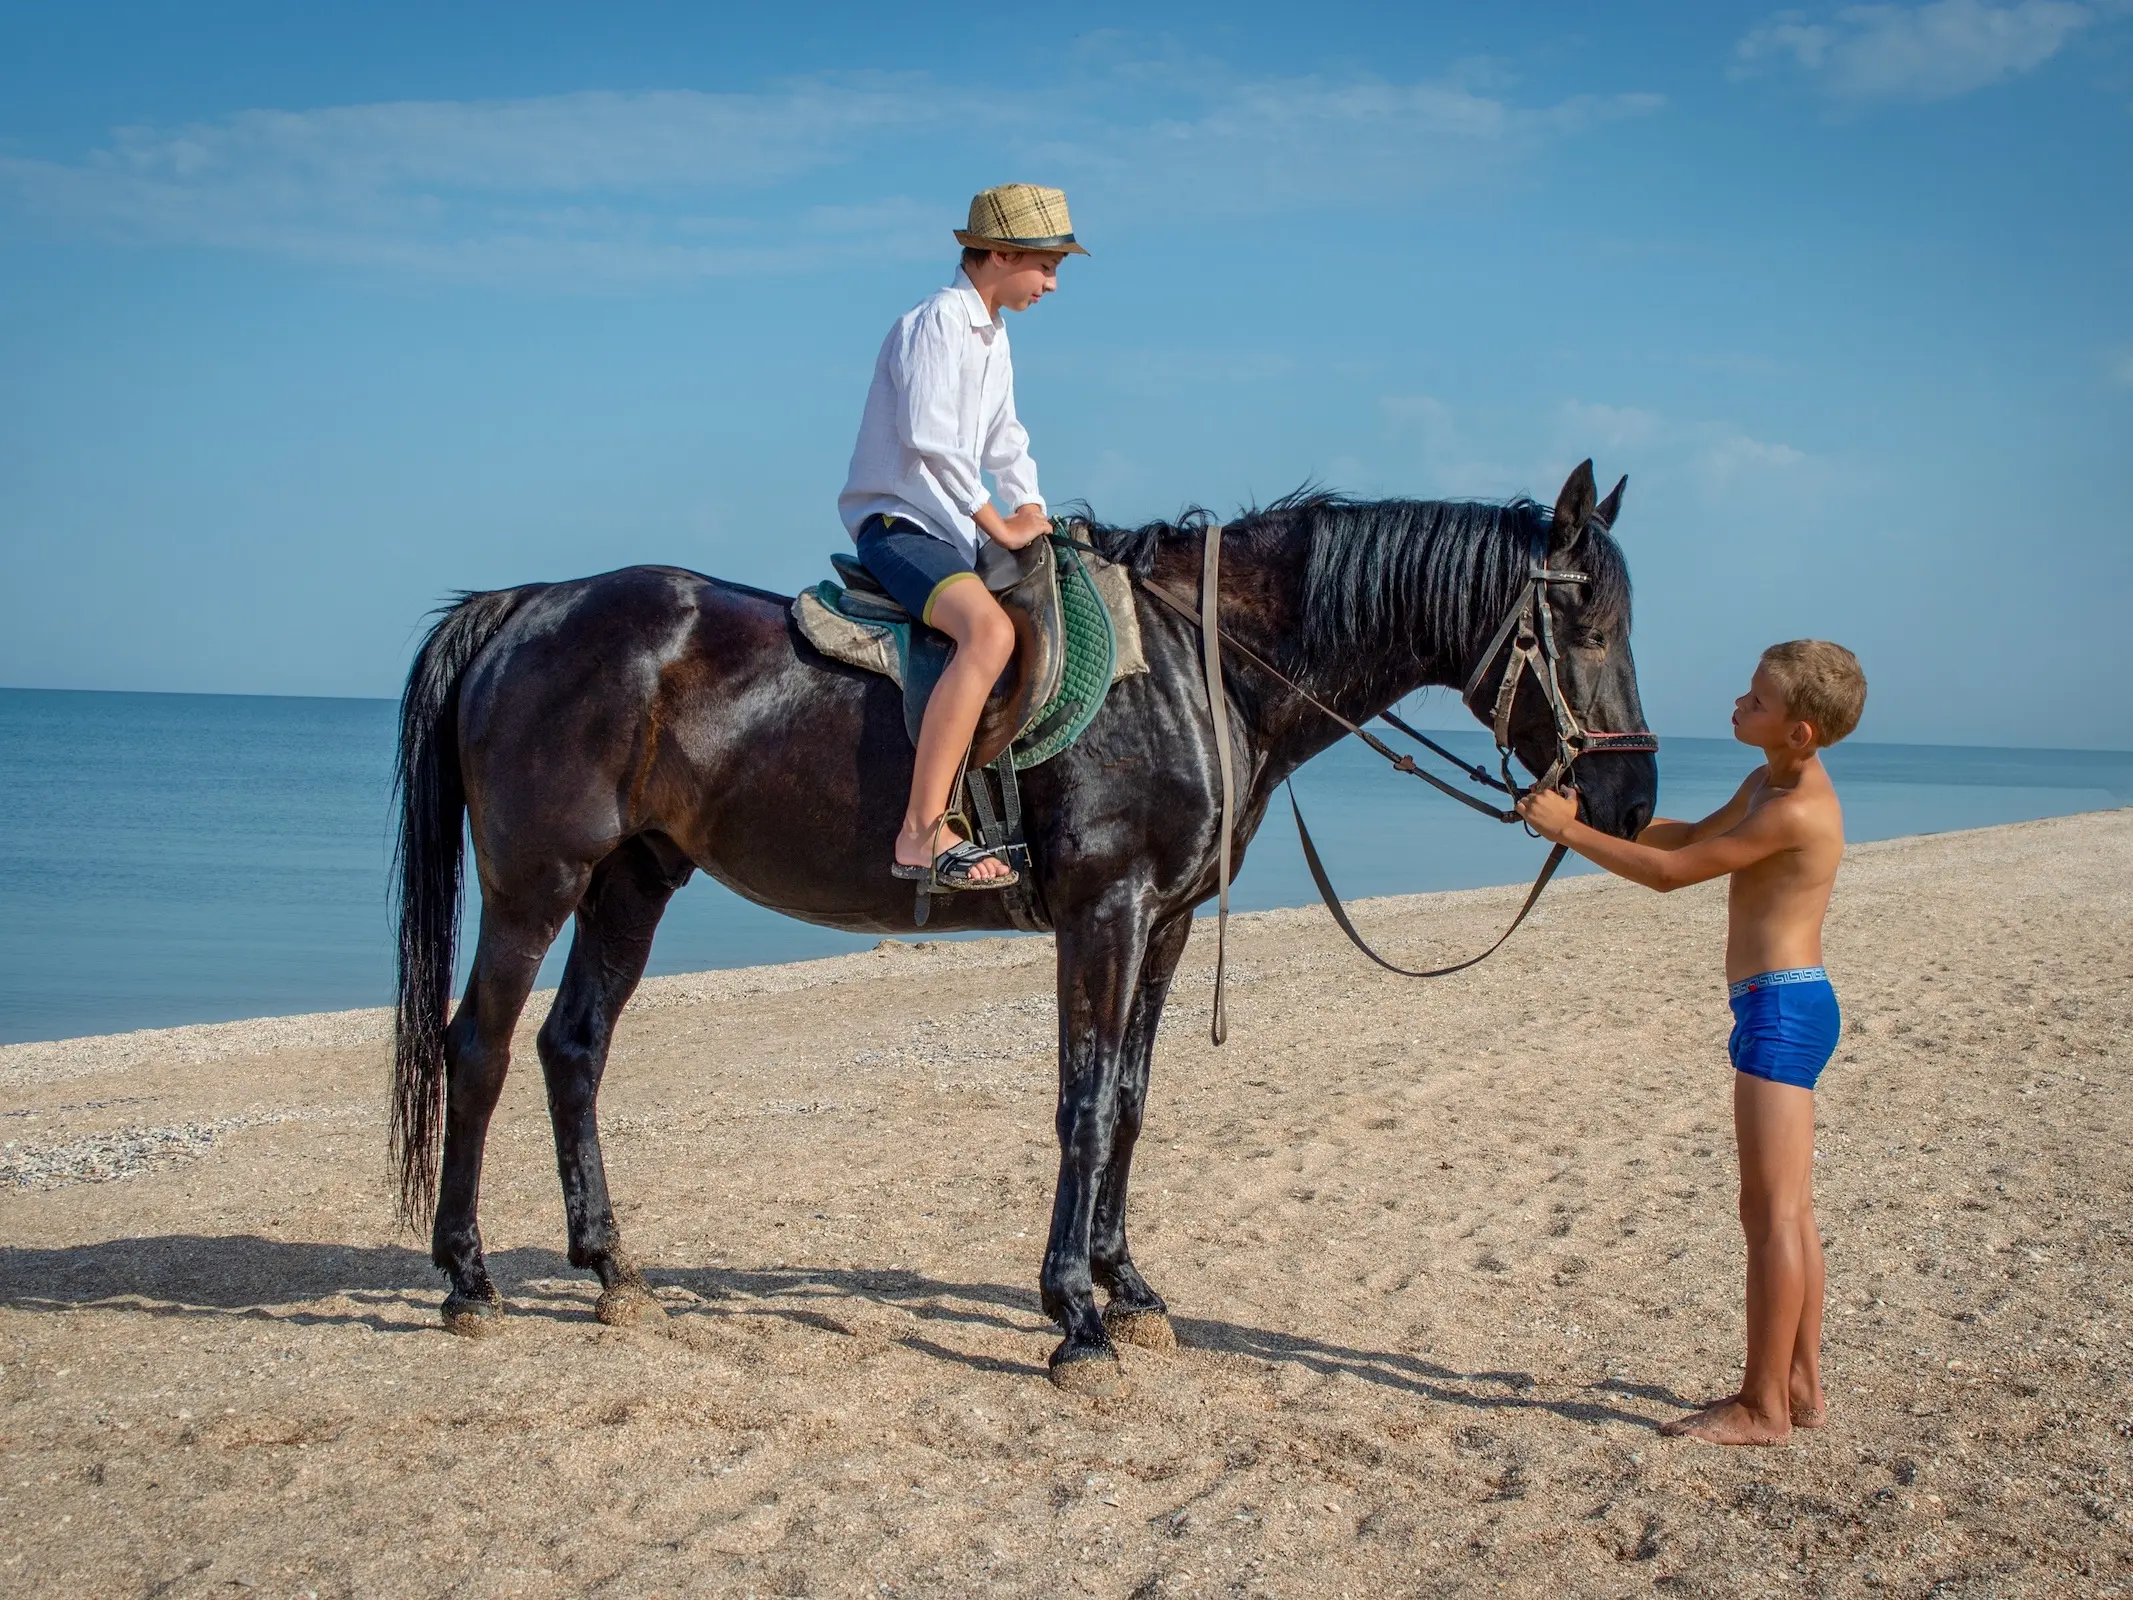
(1639, 815)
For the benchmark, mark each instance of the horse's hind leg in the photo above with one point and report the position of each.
(477, 1051)
(1135, 1313)
(616, 921)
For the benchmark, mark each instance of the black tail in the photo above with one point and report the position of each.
(433, 805)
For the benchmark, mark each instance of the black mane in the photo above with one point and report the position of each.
(1419, 578)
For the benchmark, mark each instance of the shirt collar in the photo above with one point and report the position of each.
(973, 302)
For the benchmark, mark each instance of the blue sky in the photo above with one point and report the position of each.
(308, 318)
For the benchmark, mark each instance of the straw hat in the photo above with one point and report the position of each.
(1020, 216)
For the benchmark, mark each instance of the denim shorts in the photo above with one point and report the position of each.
(911, 563)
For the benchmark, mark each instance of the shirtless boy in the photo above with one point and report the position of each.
(1779, 838)
(941, 411)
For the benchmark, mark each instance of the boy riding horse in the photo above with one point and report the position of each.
(941, 411)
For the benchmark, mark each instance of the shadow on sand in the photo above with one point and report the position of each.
(393, 1289)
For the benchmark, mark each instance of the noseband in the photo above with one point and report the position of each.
(1527, 633)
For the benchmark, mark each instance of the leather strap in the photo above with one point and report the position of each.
(1535, 653)
(1340, 912)
(1467, 769)
(1400, 763)
(1218, 709)
(1592, 742)
(1002, 831)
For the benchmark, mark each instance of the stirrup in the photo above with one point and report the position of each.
(950, 870)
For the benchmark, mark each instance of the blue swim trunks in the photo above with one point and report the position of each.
(1785, 1025)
(910, 563)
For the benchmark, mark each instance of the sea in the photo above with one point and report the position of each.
(171, 858)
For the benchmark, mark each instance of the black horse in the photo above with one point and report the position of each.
(603, 738)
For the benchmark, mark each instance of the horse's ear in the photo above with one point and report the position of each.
(1607, 510)
(1573, 509)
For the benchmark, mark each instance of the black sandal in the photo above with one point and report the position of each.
(951, 870)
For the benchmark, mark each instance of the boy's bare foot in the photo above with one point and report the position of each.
(1728, 1422)
(1805, 1413)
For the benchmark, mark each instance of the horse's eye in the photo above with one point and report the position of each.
(1589, 641)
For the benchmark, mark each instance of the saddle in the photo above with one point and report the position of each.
(1076, 633)
(1026, 583)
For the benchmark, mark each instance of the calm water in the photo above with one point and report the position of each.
(193, 858)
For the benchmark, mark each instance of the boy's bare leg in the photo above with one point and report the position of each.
(984, 642)
(1808, 1408)
(1774, 1124)
(1805, 1389)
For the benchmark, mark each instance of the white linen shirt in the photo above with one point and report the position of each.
(941, 410)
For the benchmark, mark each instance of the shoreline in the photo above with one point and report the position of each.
(45, 1060)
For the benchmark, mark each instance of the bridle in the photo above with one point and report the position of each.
(1527, 633)
(1525, 637)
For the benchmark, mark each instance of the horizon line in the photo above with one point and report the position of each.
(1433, 727)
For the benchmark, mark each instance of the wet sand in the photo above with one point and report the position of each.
(1442, 1258)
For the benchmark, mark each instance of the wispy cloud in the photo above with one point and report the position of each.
(1445, 448)
(605, 184)
(1917, 53)
(1312, 143)
(2120, 368)
(1461, 454)
(1724, 457)
(605, 188)
(1605, 427)
(1717, 455)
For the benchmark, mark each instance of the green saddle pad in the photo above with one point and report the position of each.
(1091, 653)
(1085, 681)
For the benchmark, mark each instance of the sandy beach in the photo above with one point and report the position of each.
(1442, 1258)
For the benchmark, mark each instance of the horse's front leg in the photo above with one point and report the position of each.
(1099, 967)
(1135, 1313)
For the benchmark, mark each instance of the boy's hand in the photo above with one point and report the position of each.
(1550, 811)
(1029, 524)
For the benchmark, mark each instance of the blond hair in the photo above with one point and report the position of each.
(1822, 684)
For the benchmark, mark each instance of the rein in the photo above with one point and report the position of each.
(1528, 630)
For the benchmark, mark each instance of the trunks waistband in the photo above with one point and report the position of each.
(1770, 980)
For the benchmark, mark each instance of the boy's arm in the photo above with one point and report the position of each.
(1006, 455)
(1757, 837)
(933, 367)
(1664, 833)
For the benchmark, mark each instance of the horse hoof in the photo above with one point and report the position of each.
(1150, 1330)
(1093, 1377)
(471, 1318)
(628, 1304)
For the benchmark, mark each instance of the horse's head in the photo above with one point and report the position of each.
(1588, 623)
